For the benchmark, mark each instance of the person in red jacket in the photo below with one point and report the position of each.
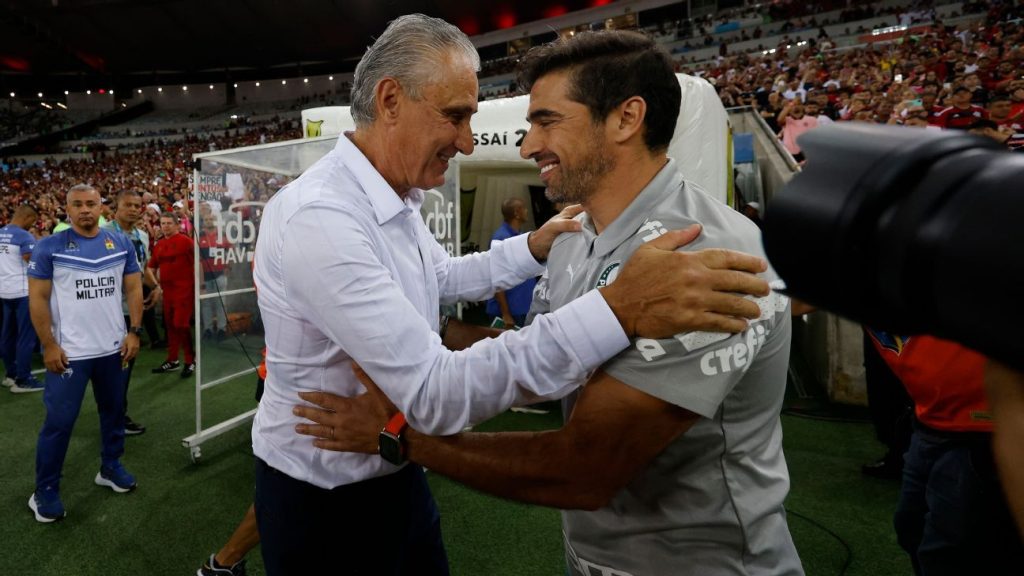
(174, 260)
(962, 113)
(952, 517)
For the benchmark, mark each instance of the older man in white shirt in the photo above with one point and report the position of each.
(347, 271)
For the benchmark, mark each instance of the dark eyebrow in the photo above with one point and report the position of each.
(544, 114)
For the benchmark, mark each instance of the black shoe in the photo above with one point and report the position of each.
(212, 568)
(132, 428)
(220, 336)
(886, 468)
(158, 345)
(166, 367)
(188, 370)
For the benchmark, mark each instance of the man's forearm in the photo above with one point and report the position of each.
(532, 467)
(460, 335)
(1005, 388)
(39, 313)
(149, 279)
(134, 297)
(502, 301)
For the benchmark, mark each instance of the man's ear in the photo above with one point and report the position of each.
(389, 95)
(627, 119)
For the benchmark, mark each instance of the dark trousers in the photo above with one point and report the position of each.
(128, 370)
(952, 518)
(62, 398)
(18, 340)
(387, 526)
(149, 318)
(888, 403)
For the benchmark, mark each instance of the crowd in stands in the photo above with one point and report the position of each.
(159, 168)
(16, 124)
(969, 78)
(783, 18)
(234, 128)
(942, 77)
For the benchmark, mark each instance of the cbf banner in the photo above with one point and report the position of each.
(440, 211)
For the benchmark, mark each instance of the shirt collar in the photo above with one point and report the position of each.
(385, 201)
(667, 180)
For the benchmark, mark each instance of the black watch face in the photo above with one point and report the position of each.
(390, 448)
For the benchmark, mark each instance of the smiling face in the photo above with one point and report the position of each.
(564, 141)
(435, 126)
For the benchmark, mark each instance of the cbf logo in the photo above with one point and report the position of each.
(608, 275)
(438, 213)
(892, 342)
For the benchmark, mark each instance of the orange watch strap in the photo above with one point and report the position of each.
(396, 424)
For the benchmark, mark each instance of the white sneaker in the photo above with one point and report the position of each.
(7, 382)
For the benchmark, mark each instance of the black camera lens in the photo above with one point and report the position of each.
(908, 230)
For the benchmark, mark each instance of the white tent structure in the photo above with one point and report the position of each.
(234, 184)
(495, 171)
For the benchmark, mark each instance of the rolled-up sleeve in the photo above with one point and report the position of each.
(335, 279)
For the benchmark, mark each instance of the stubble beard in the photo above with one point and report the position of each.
(576, 184)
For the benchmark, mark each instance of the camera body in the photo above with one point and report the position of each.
(907, 230)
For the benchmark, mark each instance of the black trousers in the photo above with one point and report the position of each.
(387, 526)
(891, 409)
(149, 318)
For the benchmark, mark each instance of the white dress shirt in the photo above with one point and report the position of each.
(346, 270)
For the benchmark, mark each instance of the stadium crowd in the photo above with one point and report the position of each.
(160, 168)
(933, 77)
(968, 78)
(942, 77)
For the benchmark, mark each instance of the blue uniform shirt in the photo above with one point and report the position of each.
(519, 298)
(85, 301)
(15, 242)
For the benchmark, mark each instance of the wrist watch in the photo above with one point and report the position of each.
(389, 441)
(137, 330)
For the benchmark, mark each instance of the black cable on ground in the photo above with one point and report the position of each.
(849, 551)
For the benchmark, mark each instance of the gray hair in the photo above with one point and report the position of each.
(407, 51)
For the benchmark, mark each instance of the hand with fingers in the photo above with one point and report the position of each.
(541, 240)
(55, 359)
(346, 424)
(661, 292)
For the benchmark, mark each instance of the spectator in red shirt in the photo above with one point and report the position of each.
(928, 102)
(962, 114)
(1000, 111)
(1004, 76)
(1017, 99)
(952, 517)
(212, 249)
(174, 261)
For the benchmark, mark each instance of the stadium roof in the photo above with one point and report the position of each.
(80, 44)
